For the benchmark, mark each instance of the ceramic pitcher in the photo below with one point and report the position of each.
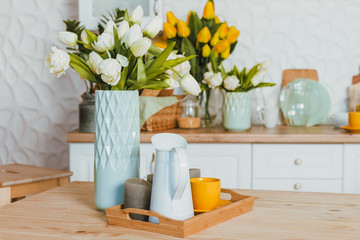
(171, 193)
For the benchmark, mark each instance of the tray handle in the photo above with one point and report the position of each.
(161, 218)
(234, 196)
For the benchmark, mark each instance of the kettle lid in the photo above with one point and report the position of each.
(167, 141)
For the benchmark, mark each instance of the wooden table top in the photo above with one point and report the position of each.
(13, 174)
(69, 212)
(257, 134)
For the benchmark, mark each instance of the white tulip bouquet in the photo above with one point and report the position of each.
(122, 57)
(235, 80)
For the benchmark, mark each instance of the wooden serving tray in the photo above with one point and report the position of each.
(240, 204)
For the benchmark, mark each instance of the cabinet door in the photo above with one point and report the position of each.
(231, 163)
(352, 168)
(82, 161)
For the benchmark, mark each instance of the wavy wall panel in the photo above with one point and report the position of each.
(36, 109)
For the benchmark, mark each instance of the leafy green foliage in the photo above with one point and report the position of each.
(79, 65)
(117, 15)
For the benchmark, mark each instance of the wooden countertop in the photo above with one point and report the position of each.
(69, 212)
(257, 134)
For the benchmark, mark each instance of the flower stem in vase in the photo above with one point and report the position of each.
(206, 116)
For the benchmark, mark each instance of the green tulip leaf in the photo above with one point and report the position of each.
(160, 60)
(79, 65)
(141, 75)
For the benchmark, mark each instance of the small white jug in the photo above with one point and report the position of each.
(171, 192)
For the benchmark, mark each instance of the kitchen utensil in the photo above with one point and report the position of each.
(171, 194)
(351, 129)
(339, 119)
(271, 116)
(354, 119)
(205, 193)
(304, 102)
(221, 203)
(290, 75)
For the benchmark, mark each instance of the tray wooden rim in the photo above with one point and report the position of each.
(120, 217)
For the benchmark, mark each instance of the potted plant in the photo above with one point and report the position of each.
(238, 84)
(121, 61)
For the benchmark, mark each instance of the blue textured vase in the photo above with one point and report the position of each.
(237, 111)
(117, 142)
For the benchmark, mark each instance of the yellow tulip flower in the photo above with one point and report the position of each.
(204, 35)
(232, 34)
(215, 39)
(217, 20)
(225, 54)
(183, 29)
(223, 29)
(169, 30)
(188, 17)
(206, 50)
(171, 18)
(209, 10)
(160, 44)
(222, 46)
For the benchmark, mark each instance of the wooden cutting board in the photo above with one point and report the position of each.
(290, 75)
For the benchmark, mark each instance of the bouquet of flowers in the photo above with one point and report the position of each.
(208, 38)
(122, 57)
(243, 81)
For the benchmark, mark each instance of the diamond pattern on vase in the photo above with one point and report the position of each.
(117, 128)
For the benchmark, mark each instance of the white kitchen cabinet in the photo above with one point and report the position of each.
(229, 162)
(351, 183)
(290, 167)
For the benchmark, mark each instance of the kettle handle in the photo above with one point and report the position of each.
(183, 172)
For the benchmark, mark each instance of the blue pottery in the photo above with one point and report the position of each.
(237, 111)
(117, 142)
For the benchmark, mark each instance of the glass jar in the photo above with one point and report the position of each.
(190, 113)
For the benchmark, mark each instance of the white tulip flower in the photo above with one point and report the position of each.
(57, 61)
(231, 83)
(259, 76)
(190, 85)
(109, 28)
(94, 61)
(140, 47)
(213, 79)
(172, 83)
(67, 38)
(105, 42)
(122, 29)
(184, 67)
(124, 62)
(110, 71)
(84, 37)
(153, 27)
(136, 16)
(265, 64)
(132, 35)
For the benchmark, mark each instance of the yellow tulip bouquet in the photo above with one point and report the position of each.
(208, 38)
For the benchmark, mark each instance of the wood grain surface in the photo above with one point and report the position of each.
(257, 134)
(69, 212)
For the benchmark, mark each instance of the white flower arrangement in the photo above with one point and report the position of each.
(122, 57)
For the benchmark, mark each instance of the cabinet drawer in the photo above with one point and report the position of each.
(297, 160)
(302, 185)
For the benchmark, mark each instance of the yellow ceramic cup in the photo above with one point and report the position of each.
(354, 119)
(205, 193)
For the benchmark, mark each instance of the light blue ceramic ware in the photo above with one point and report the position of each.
(304, 102)
(117, 142)
(237, 111)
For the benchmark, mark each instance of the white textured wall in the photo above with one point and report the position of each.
(36, 109)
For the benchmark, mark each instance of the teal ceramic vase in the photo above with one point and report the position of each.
(237, 111)
(117, 142)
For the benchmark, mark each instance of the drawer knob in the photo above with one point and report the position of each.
(297, 186)
(298, 162)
